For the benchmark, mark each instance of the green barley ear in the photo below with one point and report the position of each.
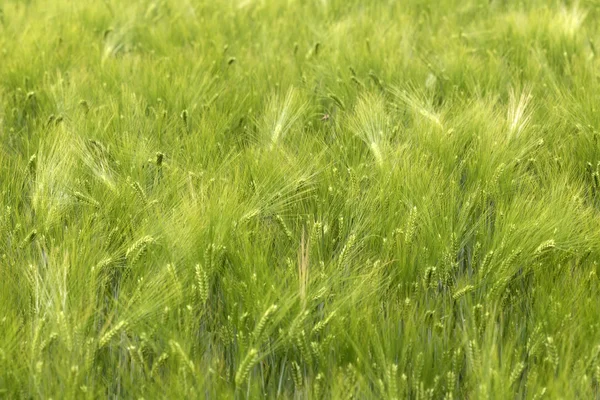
(552, 357)
(111, 333)
(346, 250)
(86, 199)
(159, 158)
(28, 239)
(85, 106)
(392, 380)
(411, 226)
(318, 385)
(357, 81)
(176, 348)
(540, 394)
(244, 369)
(184, 116)
(485, 263)
(209, 253)
(474, 357)
(319, 326)
(463, 291)
(284, 227)
(450, 383)
(137, 249)
(301, 342)
(297, 376)
(32, 166)
(158, 363)
(337, 101)
(376, 80)
(139, 191)
(263, 322)
(544, 247)
(494, 183)
(516, 373)
(202, 283)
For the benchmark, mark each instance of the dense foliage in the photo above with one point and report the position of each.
(299, 199)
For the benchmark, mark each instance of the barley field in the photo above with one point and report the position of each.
(299, 199)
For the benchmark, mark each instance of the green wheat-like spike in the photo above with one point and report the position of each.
(29, 238)
(158, 363)
(32, 166)
(244, 369)
(202, 283)
(476, 254)
(486, 262)
(139, 191)
(84, 106)
(494, 183)
(112, 333)
(516, 373)
(284, 227)
(159, 159)
(346, 250)
(135, 251)
(208, 256)
(418, 369)
(450, 383)
(184, 116)
(544, 247)
(315, 234)
(297, 376)
(301, 342)
(86, 199)
(176, 348)
(263, 321)
(316, 351)
(463, 291)
(392, 379)
(357, 81)
(540, 394)
(411, 226)
(509, 261)
(376, 80)
(338, 101)
(319, 326)
(552, 352)
(474, 357)
(318, 385)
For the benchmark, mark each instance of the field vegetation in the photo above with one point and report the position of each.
(303, 199)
